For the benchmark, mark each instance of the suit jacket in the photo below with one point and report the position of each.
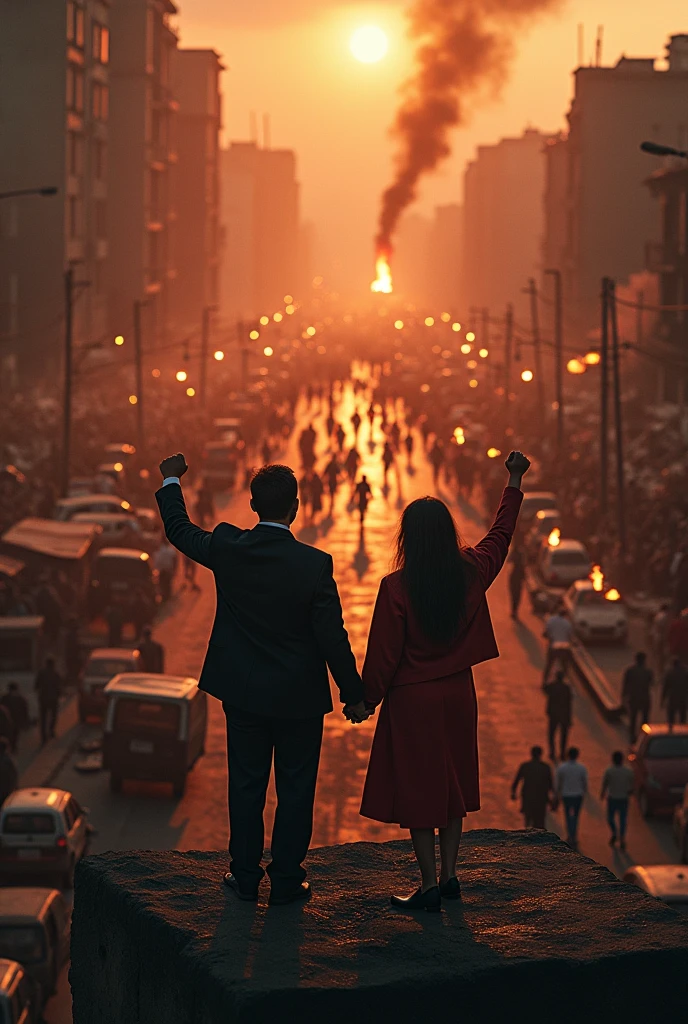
(278, 622)
(398, 652)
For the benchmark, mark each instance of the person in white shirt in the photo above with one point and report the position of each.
(558, 632)
(617, 786)
(572, 785)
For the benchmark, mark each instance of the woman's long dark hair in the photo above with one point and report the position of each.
(435, 574)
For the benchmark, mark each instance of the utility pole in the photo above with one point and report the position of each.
(508, 342)
(485, 334)
(138, 356)
(639, 320)
(67, 394)
(604, 406)
(205, 336)
(531, 290)
(558, 356)
(616, 383)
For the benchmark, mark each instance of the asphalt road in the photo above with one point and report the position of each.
(510, 700)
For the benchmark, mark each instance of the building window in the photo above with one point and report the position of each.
(71, 22)
(99, 160)
(75, 144)
(99, 101)
(100, 41)
(101, 219)
(74, 216)
(75, 88)
(75, 24)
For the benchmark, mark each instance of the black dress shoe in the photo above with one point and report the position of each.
(429, 900)
(231, 883)
(302, 893)
(451, 889)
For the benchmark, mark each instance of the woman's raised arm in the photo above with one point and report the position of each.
(490, 553)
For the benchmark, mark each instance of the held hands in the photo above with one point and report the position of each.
(357, 713)
(173, 465)
(517, 466)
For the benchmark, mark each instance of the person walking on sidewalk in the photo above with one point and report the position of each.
(675, 692)
(559, 701)
(617, 786)
(572, 785)
(9, 775)
(48, 687)
(636, 693)
(17, 706)
(152, 653)
(558, 633)
(535, 778)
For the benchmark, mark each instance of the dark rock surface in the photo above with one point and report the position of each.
(541, 933)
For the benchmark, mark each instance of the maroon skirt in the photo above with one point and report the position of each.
(423, 767)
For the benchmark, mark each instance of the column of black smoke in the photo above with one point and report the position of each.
(463, 48)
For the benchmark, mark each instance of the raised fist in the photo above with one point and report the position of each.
(173, 465)
(517, 464)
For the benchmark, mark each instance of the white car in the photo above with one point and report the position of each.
(43, 831)
(596, 614)
(564, 562)
(666, 882)
(533, 501)
(546, 520)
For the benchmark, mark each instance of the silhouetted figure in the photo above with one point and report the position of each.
(572, 785)
(617, 785)
(516, 579)
(675, 692)
(331, 474)
(535, 779)
(152, 653)
(317, 489)
(436, 457)
(266, 452)
(559, 702)
(558, 632)
(351, 464)
(408, 445)
(387, 459)
(165, 562)
(636, 694)
(9, 776)
(363, 495)
(340, 436)
(48, 687)
(356, 423)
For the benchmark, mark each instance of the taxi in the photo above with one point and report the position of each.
(43, 831)
(666, 882)
(596, 614)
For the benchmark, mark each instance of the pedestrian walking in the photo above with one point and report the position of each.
(436, 457)
(659, 633)
(363, 495)
(9, 776)
(559, 701)
(356, 423)
(387, 459)
(165, 562)
(675, 692)
(558, 632)
(617, 786)
(572, 785)
(18, 708)
(48, 687)
(351, 464)
(331, 474)
(409, 445)
(340, 437)
(636, 694)
(537, 790)
(517, 579)
(152, 653)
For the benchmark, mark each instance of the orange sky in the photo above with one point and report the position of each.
(290, 58)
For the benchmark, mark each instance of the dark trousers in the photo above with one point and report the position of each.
(617, 807)
(635, 712)
(676, 712)
(48, 717)
(534, 814)
(555, 725)
(572, 809)
(252, 742)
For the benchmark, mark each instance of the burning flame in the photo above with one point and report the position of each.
(613, 595)
(554, 537)
(597, 577)
(383, 281)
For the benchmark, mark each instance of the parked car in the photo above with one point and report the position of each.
(562, 564)
(104, 663)
(681, 826)
(119, 573)
(660, 764)
(67, 508)
(546, 520)
(154, 730)
(34, 931)
(19, 995)
(534, 501)
(667, 882)
(43, 831)
(151, 529)
(596, 614)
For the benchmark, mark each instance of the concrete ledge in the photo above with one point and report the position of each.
(541, 930)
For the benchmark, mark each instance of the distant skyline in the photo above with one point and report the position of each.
(293, 62)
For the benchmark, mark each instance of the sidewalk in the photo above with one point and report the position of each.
(39, 765)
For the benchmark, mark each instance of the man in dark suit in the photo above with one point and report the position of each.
(278, 626)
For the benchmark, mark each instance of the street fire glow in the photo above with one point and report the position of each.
(554, 538)
(597, 577)
(383, 280)
(613, 595)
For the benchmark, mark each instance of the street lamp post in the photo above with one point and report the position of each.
(616, 390)
(558, 356)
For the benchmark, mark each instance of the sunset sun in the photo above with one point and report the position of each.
(368, 44)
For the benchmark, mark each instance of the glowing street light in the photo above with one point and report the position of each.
(473, 383)
(191, 392)
(181, 375)
(575, 366)
(429, 321)
(466, 349)
(483, 353)
(119, 340)
(133, 399)
(155, 373)
(592, 358)
(277, 317)
(264, 320)
(456, 327)
(445, 318)
(288, 299)
(254, 335)
(493, 453)
(527, 375)
(399, 324)
(268, 350)
(219, 355)
(470, 336)
(310, 331)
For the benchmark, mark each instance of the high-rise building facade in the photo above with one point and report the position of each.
(260, 212)
(610, 215)
(503, 221)
(54, 114)
(196, 85)
(141, 215)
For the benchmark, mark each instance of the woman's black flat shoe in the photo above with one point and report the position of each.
(451, 889)
(429, 900)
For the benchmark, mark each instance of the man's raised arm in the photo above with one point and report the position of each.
(188, 538)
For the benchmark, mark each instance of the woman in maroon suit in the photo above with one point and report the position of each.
(430, 626)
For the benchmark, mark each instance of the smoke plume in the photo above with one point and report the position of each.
(464, 48)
